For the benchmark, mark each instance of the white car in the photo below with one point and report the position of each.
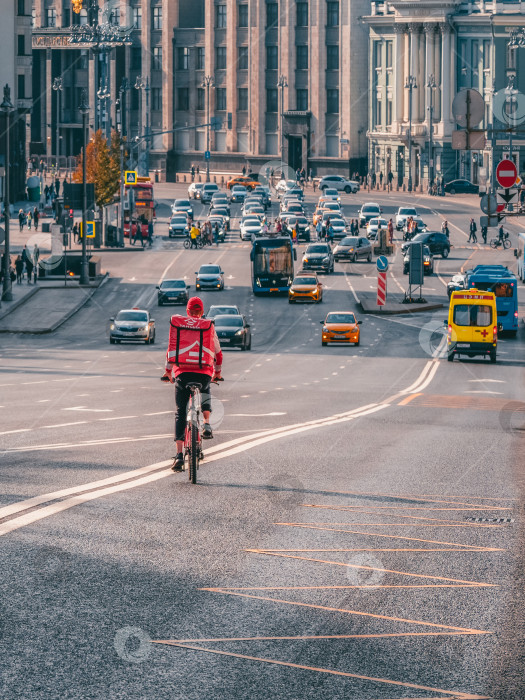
(373, 226)
(331, 193)
(338, 182)
(368, 211)
(339, 226)
(255, 210)
(284, 185)
(250, 225)
(402, 215)
(194, 190)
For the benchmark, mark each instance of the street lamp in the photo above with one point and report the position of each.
(57, 87)
(282, 83)
(139, 85)
(410, 85)
(7, 107)
(431, 85)
(124, 87)
(84, 111)
(207, 82)
(510, 102)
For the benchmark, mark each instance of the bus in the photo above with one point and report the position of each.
(272, 265)
(520, 254)
(504, 284)
(139, 205)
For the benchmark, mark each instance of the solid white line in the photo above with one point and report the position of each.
(64, 425)
(20, 430)
(117, 418)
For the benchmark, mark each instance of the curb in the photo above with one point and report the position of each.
(397, 311)
(18, 303)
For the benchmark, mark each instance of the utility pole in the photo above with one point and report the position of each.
(7, 107)
(84, 111)
(282, 83)
(207, 83)
(410, 85)
(123, 132)
(431, 85)
(57, 87)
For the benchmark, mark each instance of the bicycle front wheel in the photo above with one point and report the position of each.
(494, 243)
(187, 244)
(194, 454)
(506, 243)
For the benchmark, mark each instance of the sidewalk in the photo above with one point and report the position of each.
(44, 307)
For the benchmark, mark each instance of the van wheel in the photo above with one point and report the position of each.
(493, 356)
(450, 357)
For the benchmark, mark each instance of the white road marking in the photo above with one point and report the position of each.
(157, 413)
(483, 391)
(257, 415)
(118, 418)
(20, 430)
(483, 381)
(64, 425)
(91, 410)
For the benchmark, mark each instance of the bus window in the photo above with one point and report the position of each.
(503, 289)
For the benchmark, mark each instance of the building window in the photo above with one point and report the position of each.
(157, 17)
(389, 54)
(301, 100)
(378, 55)
(220, 16)
(33, 17)
(220, 99)
(156, 64)
(332, 101)
(201, 96)
(137, 17)
(21, 8)
(272, 100)
(51, 17)
(302, 14)
(332, 57)
(136, 58)
(389, 111)
(156, 99)
(243, 15)
(66, 17)
(301, 57)
(21, 87)
(135, 100)
(21, 45)
(378, 113)
(243, 58)
(511, 58)
(243, 99)
(272, 14)
(332, 14)
(220, 57)
(84, 61)
(183, 99)
(114, 17)
(183, 54)
(200, 58)
(272, 58)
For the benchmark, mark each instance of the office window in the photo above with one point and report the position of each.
(301, 57)
(332, 14)
(220, 16)
(136, 58)
(183, 54)
(243, 15)
(272, 100)
(243, 58)
(242, 99)
(51, 17)
(201, 99)
(332, 57)
(220, 99)
(332, 101)
(302, 14)
(156, 63)
(301, 100)
(511, 58)
(272, 58)
(21, 45)
(272, 14)
(156, 99)
(21, 87)
(389, 54)
(220, 57)
(137, 17)
(157, 17)
(183, 99)
(200, 58)
(21, 8)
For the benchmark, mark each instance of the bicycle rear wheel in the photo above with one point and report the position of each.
(194, 455)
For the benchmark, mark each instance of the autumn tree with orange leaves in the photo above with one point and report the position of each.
(102, 167)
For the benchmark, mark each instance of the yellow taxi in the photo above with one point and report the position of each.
(340, 327)
(305, 287)
(244, 180)
(472, 324)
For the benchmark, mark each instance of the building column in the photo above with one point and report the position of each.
(429, 29)
(399, 77)
(415, 69)
(447, 84)
(231, 74)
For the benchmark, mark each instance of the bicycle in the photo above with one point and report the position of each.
(188, 243)
(193, 436)
(497, 242)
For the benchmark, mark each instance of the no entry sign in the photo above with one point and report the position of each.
(506, 173)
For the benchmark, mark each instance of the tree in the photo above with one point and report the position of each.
(102, 167)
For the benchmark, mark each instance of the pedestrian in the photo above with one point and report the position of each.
(374, 178)
(445, 229)
(390, 229)
(310, 175)
(278, 226)
(319, 229)
(19, 268)
(57, 186)
(501, 234)
(330, 233)
(472, 232)
(21, 218)
(76, 236)
(243, 170)
(314, 183)
(216, 233)
(198, 169)
(294, 235)
(29, 219)
(138, 232)
(192, 173)
(36, 217)
(381, 178)
(484, 232)
(390, 178)
(194, 235)
(29, 269)
(36, 254)
(150, 233)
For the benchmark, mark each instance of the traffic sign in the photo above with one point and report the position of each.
(90, 229)
(382, 263)
(207, 155)
(130, 177)
(381, 288)
(506, 173)
(468, 108)
(489, 204)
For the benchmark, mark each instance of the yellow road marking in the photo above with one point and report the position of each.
(373, 510)
(408, 399)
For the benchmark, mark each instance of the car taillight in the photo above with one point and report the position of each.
(449, 333)
(495, 333)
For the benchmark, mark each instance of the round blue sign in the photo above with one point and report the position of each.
(382, 263)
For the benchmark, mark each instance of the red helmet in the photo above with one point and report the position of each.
(195, 306)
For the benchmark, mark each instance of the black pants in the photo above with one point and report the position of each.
(182, 396)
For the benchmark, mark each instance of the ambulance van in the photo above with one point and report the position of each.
(472, 324)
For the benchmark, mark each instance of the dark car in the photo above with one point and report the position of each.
(428, 261)
(172, 292)
(224, 213)
(178, 226)
(210, 277)
(301, 225)
(318, 256)
(352, 248)
(435, 240)
(233, 331)
(461, 187)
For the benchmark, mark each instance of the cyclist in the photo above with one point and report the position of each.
(194, 235)
(181, 376)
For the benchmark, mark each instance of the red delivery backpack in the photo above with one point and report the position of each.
(191, 345)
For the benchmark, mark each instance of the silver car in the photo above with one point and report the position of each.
(338, 182)
(132, 324)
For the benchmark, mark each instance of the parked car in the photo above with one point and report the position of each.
(461, 187)
(428, 261)
(352, 248)
(338, 182)
(368, 211)
(318, 256)
(178, 226)
(208, 190)
(172, 292)
(194, 190)
(435, 240)
(402, 215)
(233, 331)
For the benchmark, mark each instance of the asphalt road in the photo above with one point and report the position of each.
(357, 529)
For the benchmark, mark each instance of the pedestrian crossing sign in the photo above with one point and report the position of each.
(130, 177)
(90, 229)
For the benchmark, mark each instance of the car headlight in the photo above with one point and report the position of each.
(325, 329)
(143, 328)
(112, 327)
(326, 259)
(240, 332)
(292, 291)
(258, 282)
(305, 259)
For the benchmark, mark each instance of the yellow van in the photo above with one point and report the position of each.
(472, 324)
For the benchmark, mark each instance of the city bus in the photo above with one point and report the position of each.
(520, 254)
(139, 205)
(504, 284)
(272, 265)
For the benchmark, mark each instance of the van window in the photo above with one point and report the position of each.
(472, 315)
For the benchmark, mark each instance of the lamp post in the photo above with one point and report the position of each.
(57, 87)
(7, 107)
(84, 111)
(410, 85)
(431, 85)
(139, 84)
(510, 101)
(207, 83)
(282, 83)
(123, 132)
